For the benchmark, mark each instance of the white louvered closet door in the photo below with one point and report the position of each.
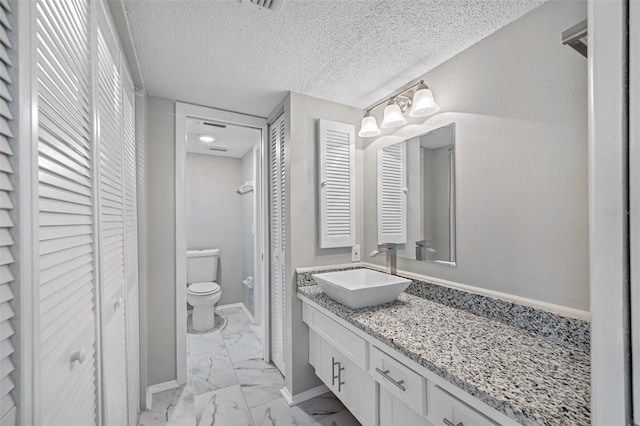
(65, 227)
(337, 179)
(112, 228)
(131, 247)
(392, 194)
(7, 300)
(277, 239)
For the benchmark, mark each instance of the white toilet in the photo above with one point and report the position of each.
(202, 292)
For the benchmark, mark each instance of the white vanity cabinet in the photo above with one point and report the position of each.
(392, 411)
(339, 358)
(347, 380)
(381, 390)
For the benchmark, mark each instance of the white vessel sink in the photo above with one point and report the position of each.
(359, 288)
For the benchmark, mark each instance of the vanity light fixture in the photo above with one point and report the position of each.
(206, 138)
(369, 127)
(421, 103)
(392, 115)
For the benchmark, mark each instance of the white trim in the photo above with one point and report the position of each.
(634, 192)
(608, 208)
(237, 305)
(183, 111)
(95, 133)
(537, 304)
(28, 330)
(302, 396)
(181, 245)
(157, 388)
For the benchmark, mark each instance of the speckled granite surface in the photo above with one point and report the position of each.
(562, 329)
(529, 377)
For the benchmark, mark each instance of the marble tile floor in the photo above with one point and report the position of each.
(229, 384)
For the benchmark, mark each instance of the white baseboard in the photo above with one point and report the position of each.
(302, 396)
(157, 388)
(237, 305)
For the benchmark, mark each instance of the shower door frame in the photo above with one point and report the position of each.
(184, 111)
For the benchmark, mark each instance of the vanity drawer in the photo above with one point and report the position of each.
(404, 383)
(351, 345)
(445, 410)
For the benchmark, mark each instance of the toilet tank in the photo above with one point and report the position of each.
(202, 265)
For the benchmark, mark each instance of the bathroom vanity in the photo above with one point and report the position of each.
(440, 356)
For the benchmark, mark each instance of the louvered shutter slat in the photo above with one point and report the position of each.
(113, 186)
(7, 294)
(336, 151)
(277, 238)
(392, 194)
(65, 207)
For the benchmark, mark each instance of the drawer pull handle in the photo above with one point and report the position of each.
(340, 382)
(79, 355)
(450, 423)
(333, 371)
(386, 375)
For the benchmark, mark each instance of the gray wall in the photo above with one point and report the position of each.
(519, 101)
(248, 232)
(161, 244)
(213, 216)
(301, 114)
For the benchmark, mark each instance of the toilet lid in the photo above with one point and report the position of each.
(203, 288)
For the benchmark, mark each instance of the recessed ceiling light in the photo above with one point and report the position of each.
(206, 138)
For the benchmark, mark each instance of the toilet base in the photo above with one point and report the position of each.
(203, 318)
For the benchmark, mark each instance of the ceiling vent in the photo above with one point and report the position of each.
(212, 124)
(263, 3)
(218, 148)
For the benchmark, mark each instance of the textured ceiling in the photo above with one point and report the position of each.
(233, 55)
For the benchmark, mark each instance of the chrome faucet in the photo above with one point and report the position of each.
(392, 262)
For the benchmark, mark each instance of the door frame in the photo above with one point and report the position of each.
(609, 215)
(184, 111)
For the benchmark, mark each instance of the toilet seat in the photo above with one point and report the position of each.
(203, 288)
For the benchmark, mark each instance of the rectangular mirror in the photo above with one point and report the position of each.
(416, 196)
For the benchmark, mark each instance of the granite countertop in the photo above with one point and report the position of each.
(529, 377)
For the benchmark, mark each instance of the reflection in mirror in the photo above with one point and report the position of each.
(416, 196)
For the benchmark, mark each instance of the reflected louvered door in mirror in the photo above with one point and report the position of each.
(65, 312)
(336, 177)
(112, 226)
(392, 194)
(7, 244)
(277, 239)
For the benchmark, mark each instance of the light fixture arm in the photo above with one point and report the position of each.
(399, 94)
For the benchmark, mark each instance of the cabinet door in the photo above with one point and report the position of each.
(445, 408)
(277, 267)
(64, 227)
(337, 178)
(111, 219)
(351, 384)
(393, 412)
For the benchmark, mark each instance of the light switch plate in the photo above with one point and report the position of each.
(355, 253)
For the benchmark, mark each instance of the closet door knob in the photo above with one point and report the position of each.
(323, 183)
(118, 303)
(79, 355)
